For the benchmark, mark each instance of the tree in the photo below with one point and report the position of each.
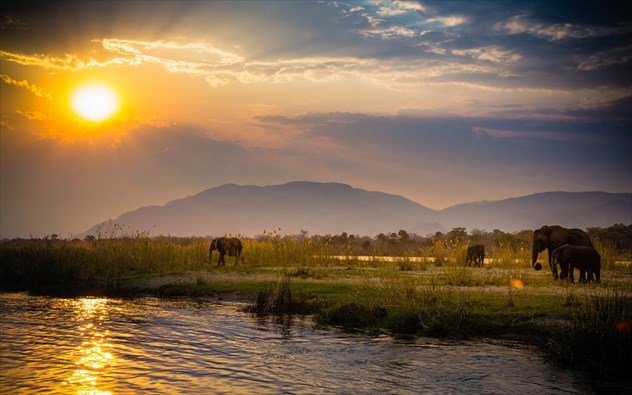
(457, 234)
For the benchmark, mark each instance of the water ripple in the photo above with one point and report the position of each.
(153, 346)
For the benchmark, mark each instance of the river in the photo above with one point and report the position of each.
(155, 346)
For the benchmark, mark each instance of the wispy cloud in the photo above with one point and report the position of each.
(550, 136)
(524, 135)
(397, 7)
(390, 32)
(218, 67)
(448, 21)
(490, 53)
(32, 115)
(68, 62)
(160, 51)
(606, 58)
(26, 85)
(555, 31)
(8, 22)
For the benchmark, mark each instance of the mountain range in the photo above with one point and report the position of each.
(333, 208)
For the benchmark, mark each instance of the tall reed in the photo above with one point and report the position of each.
(599, 337)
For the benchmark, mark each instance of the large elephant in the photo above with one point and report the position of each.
(584, 258)
(551, 237)
(476, 255)
(231, 246)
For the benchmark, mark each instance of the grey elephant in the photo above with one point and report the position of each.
(226, 246)
(584, 258)
(551, 237)
(476, 255)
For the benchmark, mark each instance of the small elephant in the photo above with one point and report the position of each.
(551, 237)
(475, 254)
(231, 246)
(584, 258)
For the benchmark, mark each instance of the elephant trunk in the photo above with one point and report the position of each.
(534, 258)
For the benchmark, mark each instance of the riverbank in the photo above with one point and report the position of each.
(582, 325)
(585, 326)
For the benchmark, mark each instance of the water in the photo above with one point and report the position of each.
(156, 346)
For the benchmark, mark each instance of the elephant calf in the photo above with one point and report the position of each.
(231, 246)
(476, 254)
(584, 258)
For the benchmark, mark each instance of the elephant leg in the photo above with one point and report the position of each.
(553, 266)
(564, 271)
(221, 259)
(554, 272)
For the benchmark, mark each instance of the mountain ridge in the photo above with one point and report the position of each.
(333, 208)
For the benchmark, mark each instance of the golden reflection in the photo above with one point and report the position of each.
(93, 356)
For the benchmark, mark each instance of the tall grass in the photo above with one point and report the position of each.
(279, 299)
(599, 337)
(611, 259)
(76, 265)
(280, 251)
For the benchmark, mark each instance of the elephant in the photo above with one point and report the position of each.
(231, 246)
(476, 254)
(551, 237)
(584, 258)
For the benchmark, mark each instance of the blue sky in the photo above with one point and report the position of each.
(441, 102)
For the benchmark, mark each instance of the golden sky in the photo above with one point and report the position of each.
(441, 102)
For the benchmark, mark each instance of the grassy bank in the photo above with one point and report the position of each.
(578, 325)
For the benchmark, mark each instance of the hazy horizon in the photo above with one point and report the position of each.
(442, 103)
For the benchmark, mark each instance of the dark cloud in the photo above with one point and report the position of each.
(583, 139)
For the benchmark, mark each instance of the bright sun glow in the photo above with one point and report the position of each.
(95, 102)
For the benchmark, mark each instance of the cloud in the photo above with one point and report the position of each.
(526, 135)
(219, 68)
(489, 53)
(397, 7)
(32, 115)
(390, 32)
(448, 21)
(68, 62)
(26, 85)
(8, 22)
(556, 31)
(161, 51)
(603, 59)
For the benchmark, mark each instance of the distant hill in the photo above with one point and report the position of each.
(569, 209)
(319, 208)
(332, 208)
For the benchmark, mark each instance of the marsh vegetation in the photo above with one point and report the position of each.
(396, 283)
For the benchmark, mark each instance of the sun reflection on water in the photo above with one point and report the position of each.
(93, 356)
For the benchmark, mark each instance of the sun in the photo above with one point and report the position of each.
(94, 102)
